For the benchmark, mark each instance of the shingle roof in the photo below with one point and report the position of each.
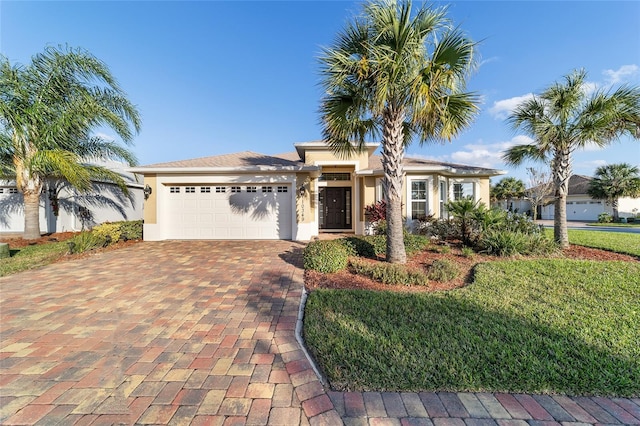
(579, 184)
(239, 159)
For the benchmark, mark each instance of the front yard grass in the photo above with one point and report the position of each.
(619, 242)
(536, 326)
(30, 257)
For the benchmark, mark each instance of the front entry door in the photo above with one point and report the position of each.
(335, 208)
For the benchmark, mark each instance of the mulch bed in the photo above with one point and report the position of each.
(348, 280)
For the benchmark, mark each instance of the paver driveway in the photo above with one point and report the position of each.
(157, 333)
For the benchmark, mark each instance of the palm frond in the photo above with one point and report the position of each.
(517, 154)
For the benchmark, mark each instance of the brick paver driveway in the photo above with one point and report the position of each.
(157, 333)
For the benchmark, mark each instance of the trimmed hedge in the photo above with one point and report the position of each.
(326, 256)
(389, 273)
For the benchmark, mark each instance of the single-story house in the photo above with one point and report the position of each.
(293, 196)
(62, 208)
(581, 207)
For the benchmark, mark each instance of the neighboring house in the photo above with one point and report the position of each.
(292, 196)
(581, 207)
(62, 208)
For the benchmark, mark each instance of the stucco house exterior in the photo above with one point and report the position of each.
(62, 208)
(581, 207)
(292, 196)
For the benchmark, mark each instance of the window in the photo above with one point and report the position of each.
(418, 199)
(252, 189)
(13, 190)
(267, 189)
(235, 189)
(221, 189)
(174, 189)
(335, 176)
(1, 190)
(463, 190)
(443, 198)
(190, 189)
(205, 189)
(283, 189)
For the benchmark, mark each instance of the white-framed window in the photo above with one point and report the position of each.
(418, 199)
(235, 189)
(463, 190)
(282, 189)
(380, 191)
(190, 189)
(252, 189)
(443, 198)
(221, 189)
(267, 189)
(205, 189)
(174, 189)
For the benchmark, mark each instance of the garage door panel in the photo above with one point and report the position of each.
(225, 215)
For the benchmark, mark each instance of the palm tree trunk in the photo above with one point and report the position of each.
(392, 156)
(614, 207)
(31, 215)
(31, 187)
(561, 173)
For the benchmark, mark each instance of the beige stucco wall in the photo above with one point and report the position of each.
(151, 203)
(305, 205)
(318, 157)
(484, 191)
(367, 193)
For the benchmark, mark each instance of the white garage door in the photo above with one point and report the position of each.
(584, 210)
(227, 211)
(577, 210)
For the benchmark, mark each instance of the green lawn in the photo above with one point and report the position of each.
(32, 257)
(615, 225)
(543, 326)
(619, 242)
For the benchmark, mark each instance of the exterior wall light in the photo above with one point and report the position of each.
(147, 191)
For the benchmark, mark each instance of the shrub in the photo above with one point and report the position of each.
(442, 229)
(605, 217)
(131, 230)
(325, 256)
(415, 243)
(442, 270)
(376, 212)
(108, 231)
(467, 252)
(85, 241)
(508, 243)
(360, 246)
(116, 231)
(389, 273)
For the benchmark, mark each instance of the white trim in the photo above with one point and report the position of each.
(429, 195)
(476, 187)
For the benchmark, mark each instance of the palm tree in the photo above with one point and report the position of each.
(565, 118)
(402, 76)
(614, 181)
(48, 110)
(507, 189)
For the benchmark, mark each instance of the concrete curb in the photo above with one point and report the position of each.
(300, 339)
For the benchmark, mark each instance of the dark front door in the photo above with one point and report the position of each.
(335, 208)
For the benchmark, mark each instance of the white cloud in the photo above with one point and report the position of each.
(502, 108)
(104, 136)
(621, 74)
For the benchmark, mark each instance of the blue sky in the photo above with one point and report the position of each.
(214, 77)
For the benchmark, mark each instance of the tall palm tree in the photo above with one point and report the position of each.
(614, 181)
(48, 110)
(565, 118)
(507, 189)
(401, 75)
